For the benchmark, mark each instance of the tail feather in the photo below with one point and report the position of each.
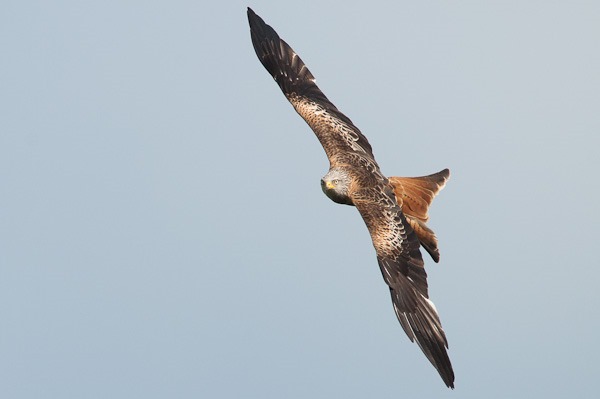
(415, 195)
(426, 237)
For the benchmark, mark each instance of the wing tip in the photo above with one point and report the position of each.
(420, 321)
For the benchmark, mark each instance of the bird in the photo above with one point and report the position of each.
(394, 209)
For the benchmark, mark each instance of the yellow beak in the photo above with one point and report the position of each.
(329, 185)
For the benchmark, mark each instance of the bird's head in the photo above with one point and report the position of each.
(335, 185)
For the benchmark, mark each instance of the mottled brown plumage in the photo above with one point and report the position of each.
(355, 179)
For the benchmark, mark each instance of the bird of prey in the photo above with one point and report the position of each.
(394, 209)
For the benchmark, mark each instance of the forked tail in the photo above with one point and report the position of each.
(415, 195)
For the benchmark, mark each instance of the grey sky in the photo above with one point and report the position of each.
(163, 232)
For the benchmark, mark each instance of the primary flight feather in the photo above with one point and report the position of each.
(394, 209)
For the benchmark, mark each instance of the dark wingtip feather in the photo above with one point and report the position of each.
(288, 69)
(280, 60)
(421, 323)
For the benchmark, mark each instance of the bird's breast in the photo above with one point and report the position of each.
(337, 197)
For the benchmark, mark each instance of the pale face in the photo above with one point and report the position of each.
(335, 185)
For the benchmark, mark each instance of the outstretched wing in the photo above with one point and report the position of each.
(335, 131)
(395, 242)
(401, 264)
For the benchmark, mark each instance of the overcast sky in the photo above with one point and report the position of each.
(163, 232)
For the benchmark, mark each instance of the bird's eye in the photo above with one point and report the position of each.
(335, 181)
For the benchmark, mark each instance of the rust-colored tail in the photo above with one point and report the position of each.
(415, 194)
